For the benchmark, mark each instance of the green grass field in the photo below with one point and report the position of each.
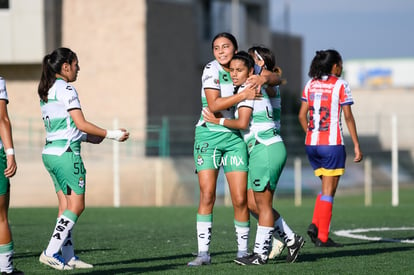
(161, 240)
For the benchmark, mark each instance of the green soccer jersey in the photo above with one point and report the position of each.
(60, 128)
(215, 77)
(264, 127)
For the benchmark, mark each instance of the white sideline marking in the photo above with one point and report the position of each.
(351, 234)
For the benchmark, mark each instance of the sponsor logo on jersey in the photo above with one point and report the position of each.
(69, 88)
(207, 77)
(227, 160)
(73, 99)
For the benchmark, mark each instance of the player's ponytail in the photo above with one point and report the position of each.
(52, 65)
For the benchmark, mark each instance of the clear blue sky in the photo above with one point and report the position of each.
(358, 29)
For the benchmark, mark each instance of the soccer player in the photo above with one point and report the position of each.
(267, 157)
(9, 167)
(66, 127)
(324, 98)
(283, 234)
(217, 145)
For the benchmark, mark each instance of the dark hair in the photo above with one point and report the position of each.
(323, 62)
(245, 57)
(266, 54)
(52, 65)
(227, 35)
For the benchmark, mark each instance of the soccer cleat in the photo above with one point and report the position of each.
(253, 259)
(241, 254)
(313, 232)
(56, 262)
(14, 272)
(75, 262)
(277, 248)
(328, 243)
(293, 250)
(201, 259)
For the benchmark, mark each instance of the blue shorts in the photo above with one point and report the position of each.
(327, 160)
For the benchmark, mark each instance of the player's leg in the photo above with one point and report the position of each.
(313, 227)
(69, 186)
(259, 182)
(235, 166)
(333, 166)
(206, 161)
(6, 242)
(329, 185)
(204, 220)
(237, 181)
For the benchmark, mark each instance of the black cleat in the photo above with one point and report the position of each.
(313, 232)
(293, 250)
(253, 259)
(328, 243)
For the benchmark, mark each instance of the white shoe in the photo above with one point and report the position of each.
(56, 261)
(201, 259)
(277, 248)
(75, 262)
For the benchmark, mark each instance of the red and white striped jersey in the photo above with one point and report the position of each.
(325, 97)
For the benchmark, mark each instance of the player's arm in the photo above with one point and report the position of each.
(303, 116)
(217, 103)
(91, 129)
(241, 123)
(265, 77)
(6, 138)
(350, 123)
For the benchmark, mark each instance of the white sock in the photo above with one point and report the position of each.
(68, 251)
(263, 240)
(6, 257)
(204, 226)
(242, 235)
(283, 230)
(64, 224)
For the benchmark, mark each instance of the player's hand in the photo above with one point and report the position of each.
(252, 92)
(209, 116)
(11, 169)
(358, 154)
(125, 135)
(118, 135)
(256, 81)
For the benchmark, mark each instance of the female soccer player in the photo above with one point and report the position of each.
(217, 145)
(267, 157)
(66, 127)
(9, 167)
(323, 99)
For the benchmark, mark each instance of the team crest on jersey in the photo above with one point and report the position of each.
(216, 81)
(200, 160)
(81, 182)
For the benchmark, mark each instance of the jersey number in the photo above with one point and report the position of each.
(78, 168)
(202, 148)
(324, 114)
